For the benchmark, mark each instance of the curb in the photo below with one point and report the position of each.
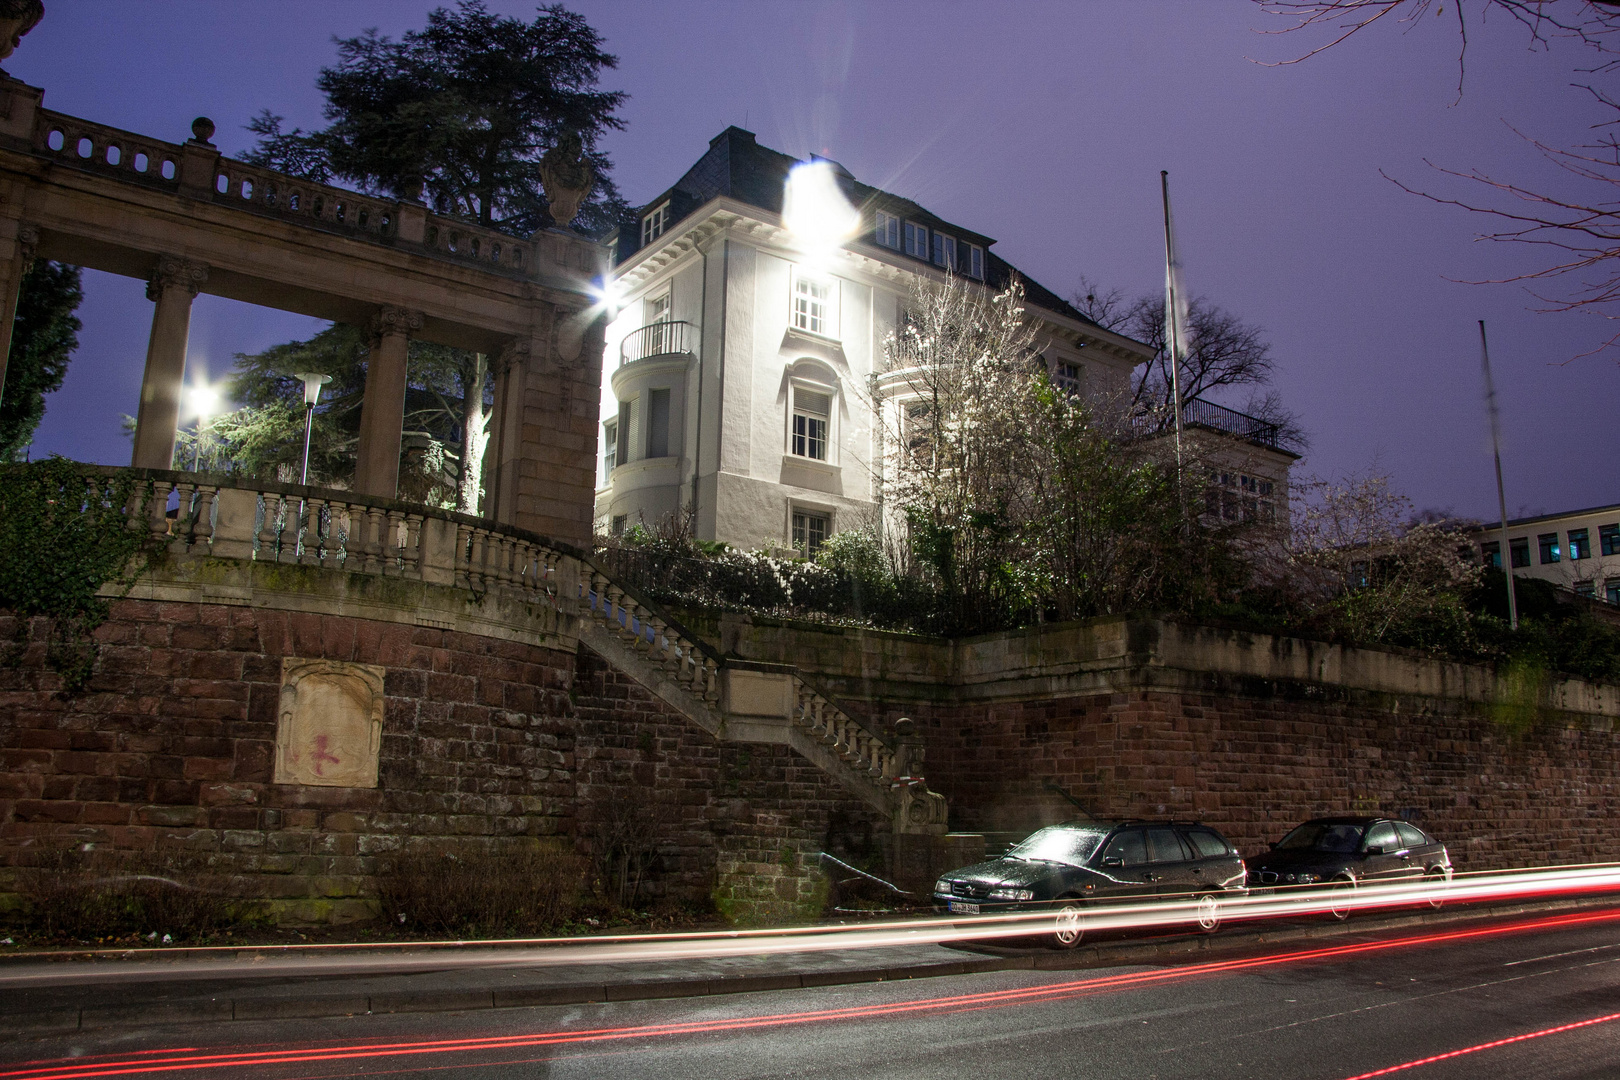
(214, 1010)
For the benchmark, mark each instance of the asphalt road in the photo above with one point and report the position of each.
(1331, 1009)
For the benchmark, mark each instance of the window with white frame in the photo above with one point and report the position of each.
(1067, 376)
(916, 240)
(887, 233)
(945, 251)
(815, 304)
(811, 422)
(810, 531)
(660, 332)
(654, 222)
(610, 449)
(973, 261)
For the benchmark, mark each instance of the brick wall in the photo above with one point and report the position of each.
(1253, 764)
(740, 824)
(486, 743)
(172, 743)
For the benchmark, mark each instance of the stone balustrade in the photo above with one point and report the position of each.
(125, 155)
(107, 150)
(191, 514)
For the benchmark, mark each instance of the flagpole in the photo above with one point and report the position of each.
(1501, 498)
(1172, 324)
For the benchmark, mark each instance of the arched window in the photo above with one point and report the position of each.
(812, 411)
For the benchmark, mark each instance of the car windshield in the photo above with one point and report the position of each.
(1059, 845)
(1322, 836)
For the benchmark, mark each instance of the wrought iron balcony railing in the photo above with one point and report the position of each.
(1220, 418)
(656, 339)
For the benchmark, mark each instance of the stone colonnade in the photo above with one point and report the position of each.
(187, 219)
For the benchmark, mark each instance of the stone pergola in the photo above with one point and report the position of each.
(187, 220)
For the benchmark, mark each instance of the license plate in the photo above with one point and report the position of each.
(960, 908)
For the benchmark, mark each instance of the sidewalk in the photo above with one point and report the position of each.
(44, 995)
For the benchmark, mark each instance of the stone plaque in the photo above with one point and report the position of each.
(329, 726)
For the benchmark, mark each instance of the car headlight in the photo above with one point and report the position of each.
(943, 885)
(1012, 894)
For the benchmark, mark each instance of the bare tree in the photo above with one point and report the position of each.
(1020, 500)
(1226, 352)
(1582, 229)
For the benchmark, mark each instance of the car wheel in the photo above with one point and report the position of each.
(1340, 894)
(1438, 880)
(1068, 932)
(1209, 914)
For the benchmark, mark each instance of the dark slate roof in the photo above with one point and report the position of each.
(738, 167)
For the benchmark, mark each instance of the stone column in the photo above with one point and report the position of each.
(504, 453)
(382, 412)
(11, 275)
(173, 286)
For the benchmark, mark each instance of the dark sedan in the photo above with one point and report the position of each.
(1345, 852)
(1064, 868)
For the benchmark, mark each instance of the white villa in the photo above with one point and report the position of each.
(737, 359)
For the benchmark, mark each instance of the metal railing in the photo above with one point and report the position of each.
(1220, 418)
(655, 339)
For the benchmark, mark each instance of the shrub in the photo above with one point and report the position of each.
(70, 893)
(476, 894)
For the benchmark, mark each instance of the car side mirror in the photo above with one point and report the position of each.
(1373, 850)
(1113, 860)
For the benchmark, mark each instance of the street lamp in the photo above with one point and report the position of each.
(204, 401)
(312, 392)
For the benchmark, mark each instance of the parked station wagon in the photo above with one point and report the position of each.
(1064, 868)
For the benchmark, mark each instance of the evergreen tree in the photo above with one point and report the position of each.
(42, 341)
(447, 405)
(466, 107)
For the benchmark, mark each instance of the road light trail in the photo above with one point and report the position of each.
(1492, 1045)
(190, 1059)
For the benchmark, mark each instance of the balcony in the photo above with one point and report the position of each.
(1219, 418)
(657, 339)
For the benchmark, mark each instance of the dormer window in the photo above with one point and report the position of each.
(887, 233)
(654, 222)
(973, 261)
(916, 240)
(945, 251)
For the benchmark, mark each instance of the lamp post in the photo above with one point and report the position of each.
(204, 401)
(312, 392)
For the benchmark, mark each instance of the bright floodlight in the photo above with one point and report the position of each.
(313, 381)
(203, 400)
(814, 208)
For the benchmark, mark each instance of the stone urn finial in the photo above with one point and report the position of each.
(17, 17)
(568, 177)
(202, 129)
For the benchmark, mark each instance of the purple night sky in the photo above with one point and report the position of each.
(1044, 125)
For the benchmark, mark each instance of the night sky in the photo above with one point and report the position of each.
(1044, 126)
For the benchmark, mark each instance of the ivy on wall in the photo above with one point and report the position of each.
(64, 534)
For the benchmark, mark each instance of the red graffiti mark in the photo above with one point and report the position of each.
(322, 754)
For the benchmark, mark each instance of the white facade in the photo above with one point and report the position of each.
(1578, 550)
(738, 364)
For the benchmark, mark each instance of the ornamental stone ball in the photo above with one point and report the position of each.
(202, 129)
(17, 17)
(568, 177)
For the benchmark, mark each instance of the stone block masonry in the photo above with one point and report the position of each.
(173, 743)
(487, 744)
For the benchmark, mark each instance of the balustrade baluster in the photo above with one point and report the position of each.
(157, 514)
(184, 514)
(711, 680)
(371, 549)
(204, 531)
(309, 531)
(412, 555)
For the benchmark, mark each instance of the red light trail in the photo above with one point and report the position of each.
(1494, 1044)
(191, 1059)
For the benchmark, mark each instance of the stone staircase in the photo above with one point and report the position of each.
(740, 701)
(732, 700)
